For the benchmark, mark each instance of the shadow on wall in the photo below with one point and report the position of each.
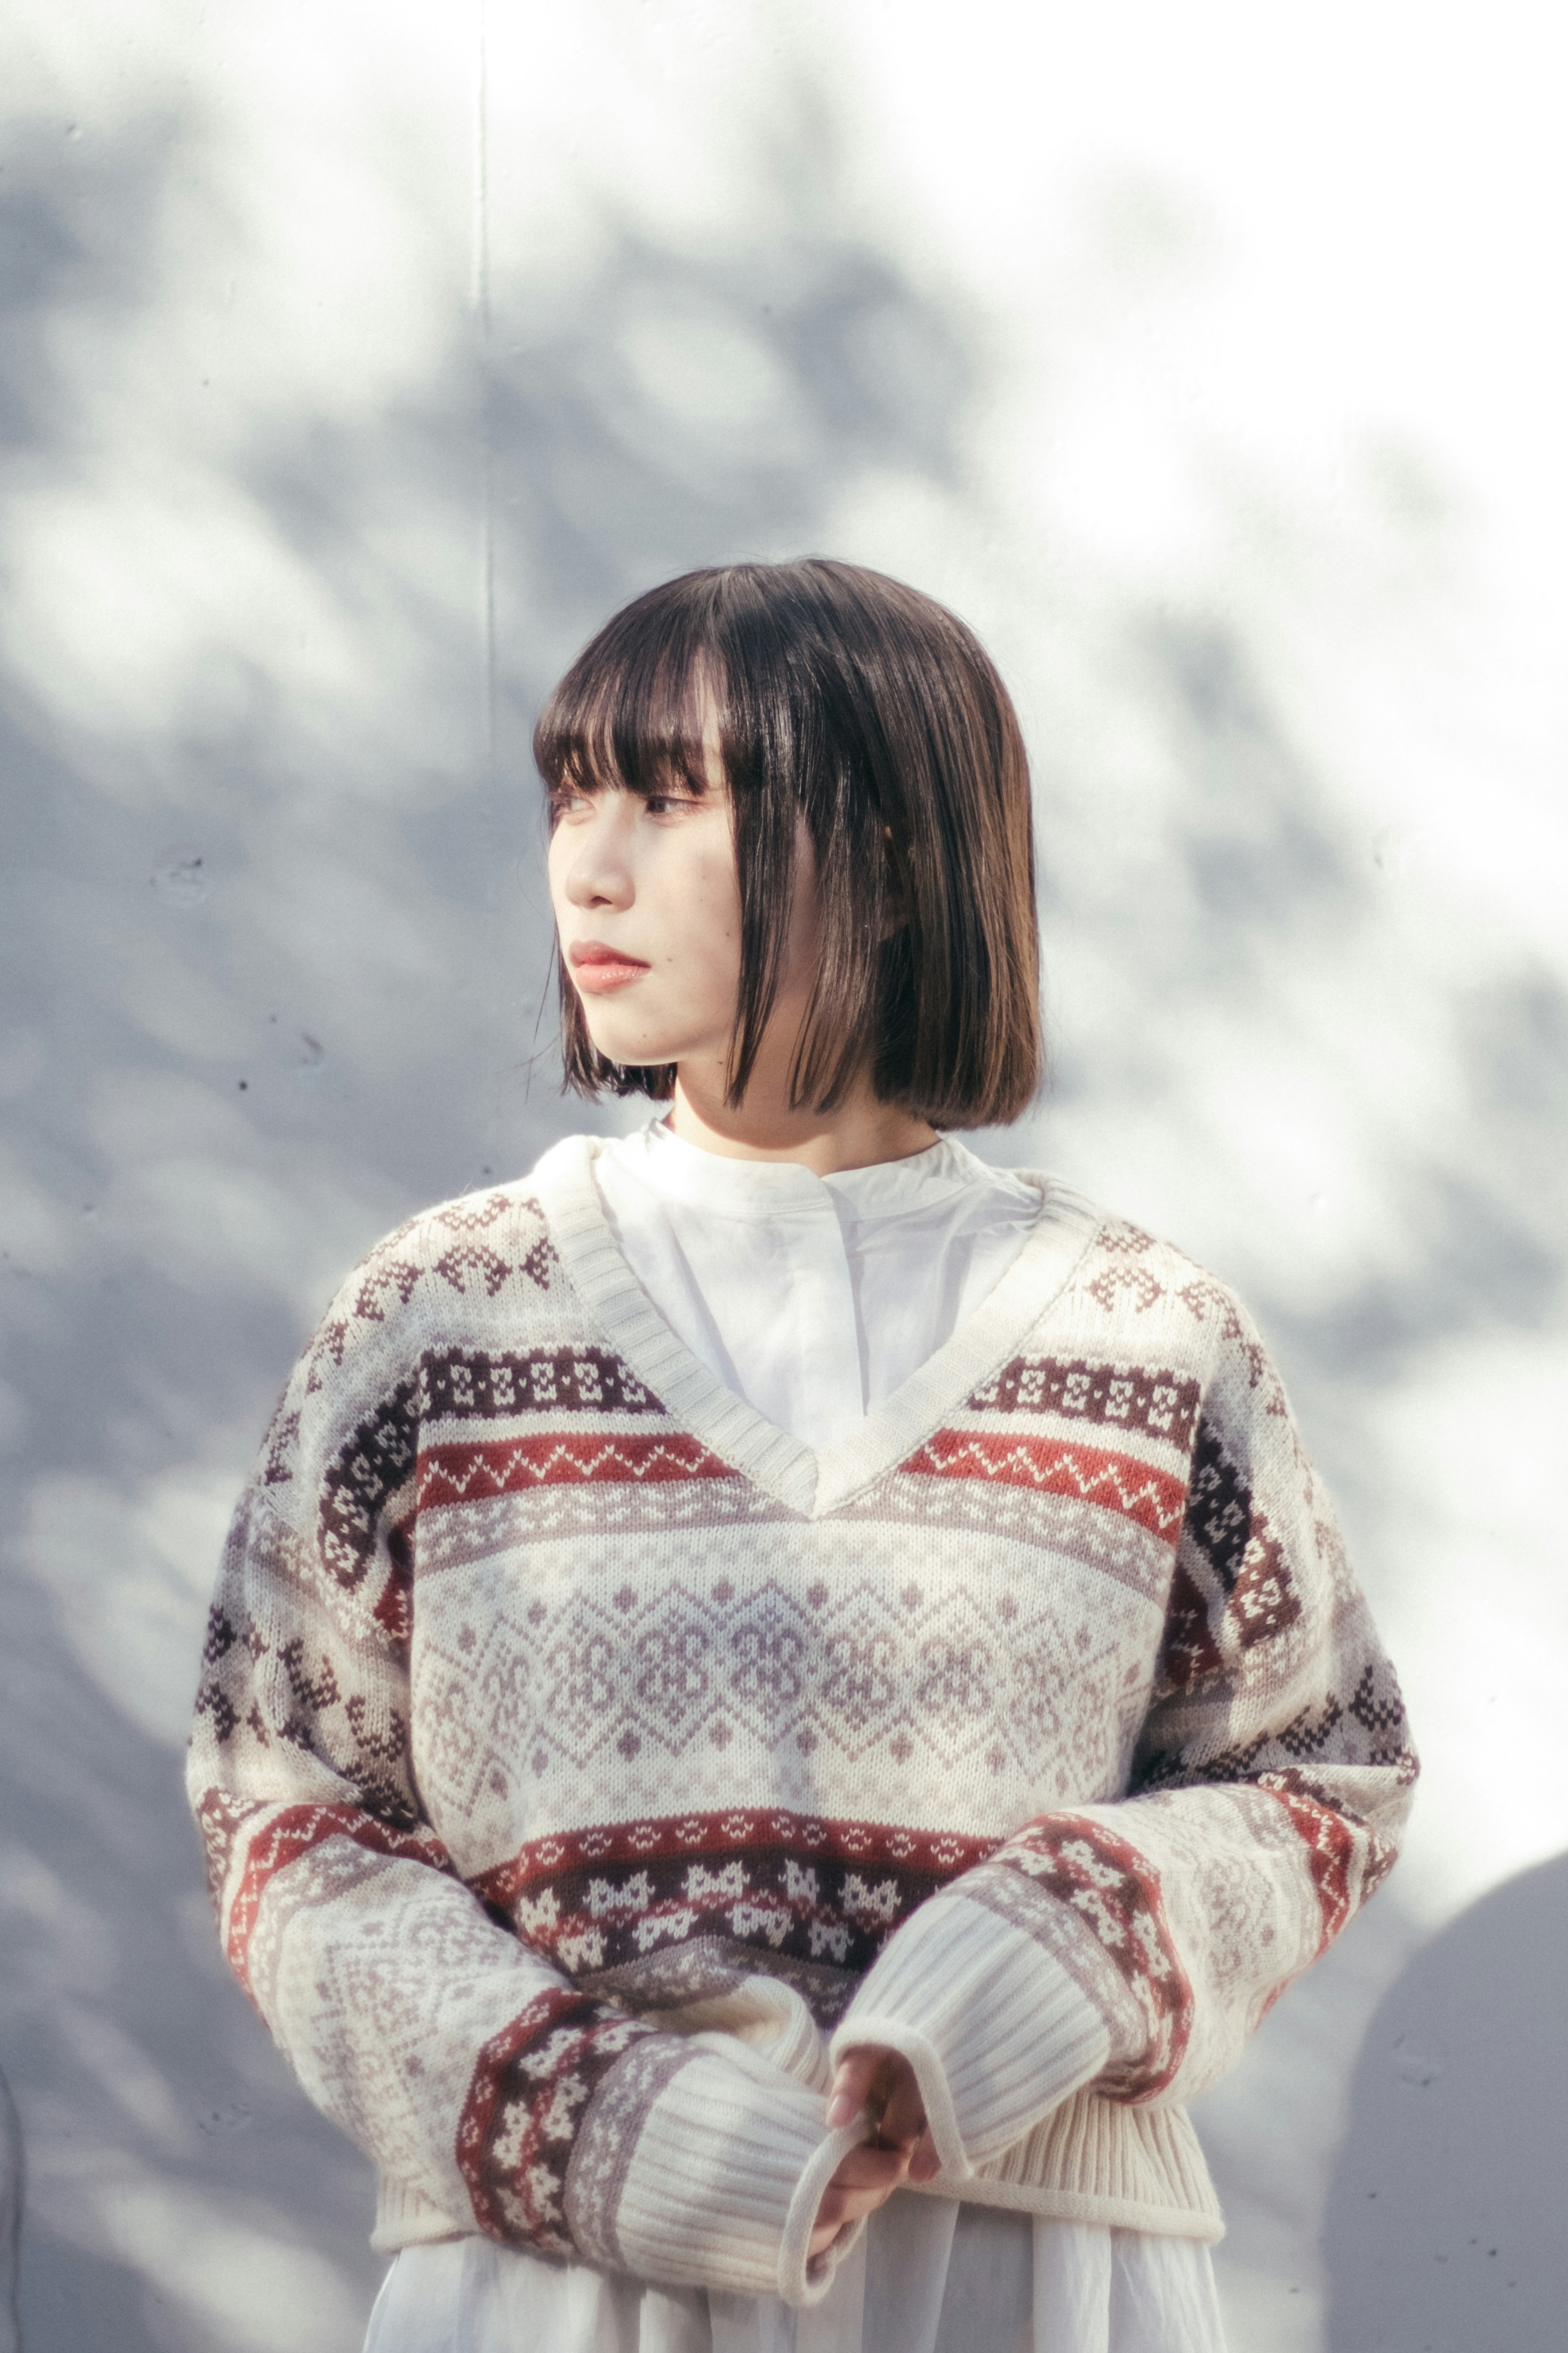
(10, 2170)
(233, 958)
(1447, 2229)
(1264, 905)
(280, 987)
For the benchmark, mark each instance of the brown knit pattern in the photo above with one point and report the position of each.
(530, 1711)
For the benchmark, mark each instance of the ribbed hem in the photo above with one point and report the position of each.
(1094, 2160)
(404, 2217)
(726, 2179)
(998, 2031)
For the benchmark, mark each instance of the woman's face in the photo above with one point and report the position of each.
(647, 907)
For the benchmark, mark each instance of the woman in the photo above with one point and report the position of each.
(779, 1697)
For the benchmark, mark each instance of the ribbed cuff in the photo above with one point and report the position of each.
(996, 2031)
(723, 2184)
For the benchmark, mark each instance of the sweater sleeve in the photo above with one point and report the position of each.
(492, 2093)
(1132, 1946)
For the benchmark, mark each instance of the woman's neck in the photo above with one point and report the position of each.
(857, 1134)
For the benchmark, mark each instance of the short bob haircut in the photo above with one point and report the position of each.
(873, 711)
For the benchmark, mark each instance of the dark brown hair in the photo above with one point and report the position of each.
(872, 710)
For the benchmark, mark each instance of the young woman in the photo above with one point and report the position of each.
(779, 1697)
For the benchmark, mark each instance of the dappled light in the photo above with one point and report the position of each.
(354, 368)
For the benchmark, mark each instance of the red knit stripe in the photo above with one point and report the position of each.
(1115, 1892)
(1331, 1844)
(693, 1837)
(474, 1473)
(294, 1832)
(489, 2090)
(1091, 1474)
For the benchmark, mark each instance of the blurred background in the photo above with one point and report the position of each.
(356, 361)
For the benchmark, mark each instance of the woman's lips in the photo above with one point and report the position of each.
(597, 969)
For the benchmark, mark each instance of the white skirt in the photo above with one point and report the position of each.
(928, 2275)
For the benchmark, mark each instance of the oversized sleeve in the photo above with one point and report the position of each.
(1130, 1947)
(493, 2095)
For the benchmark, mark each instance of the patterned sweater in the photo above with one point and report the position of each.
(580, 1761)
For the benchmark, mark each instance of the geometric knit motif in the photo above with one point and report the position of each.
(545, 1697)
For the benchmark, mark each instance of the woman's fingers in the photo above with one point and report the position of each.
(868, 2177)
(852, 2082)
(869, 2167)
(903, 2118)
(884, 2082)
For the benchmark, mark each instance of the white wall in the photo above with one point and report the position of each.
(357, 360)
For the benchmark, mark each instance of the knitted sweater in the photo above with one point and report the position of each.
(582, 1762)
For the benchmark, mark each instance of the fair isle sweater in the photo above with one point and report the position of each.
(583, 1762)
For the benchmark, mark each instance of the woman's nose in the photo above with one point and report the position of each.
(600, 872)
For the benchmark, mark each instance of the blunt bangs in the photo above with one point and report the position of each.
(841, 696)
(631, 710)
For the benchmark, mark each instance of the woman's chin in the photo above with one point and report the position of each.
(631, 1049)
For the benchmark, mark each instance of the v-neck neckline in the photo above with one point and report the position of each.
(810, 1482)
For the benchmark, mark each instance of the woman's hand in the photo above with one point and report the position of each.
(883, 2082)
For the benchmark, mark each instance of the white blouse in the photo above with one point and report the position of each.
(814, 1299)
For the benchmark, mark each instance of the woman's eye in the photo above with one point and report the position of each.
(663, 804)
